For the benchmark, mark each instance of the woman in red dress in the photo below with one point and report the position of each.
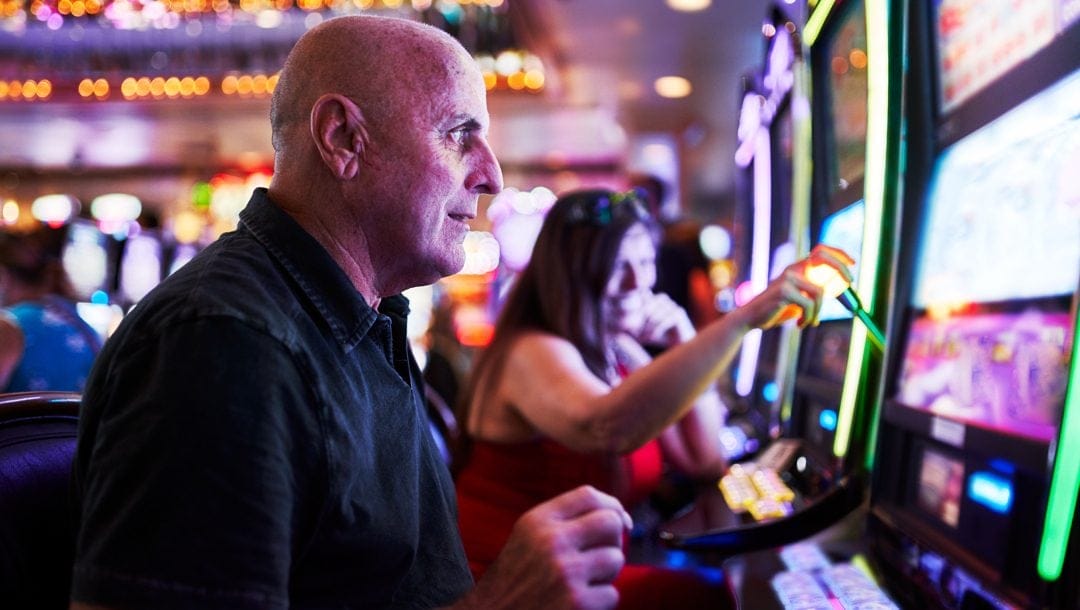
(567, 393)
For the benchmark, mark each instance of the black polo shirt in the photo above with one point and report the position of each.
(253, 437)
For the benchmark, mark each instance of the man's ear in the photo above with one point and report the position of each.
(339, 132)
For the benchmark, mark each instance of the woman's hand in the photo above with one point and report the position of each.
(792, 295)
(663, 322)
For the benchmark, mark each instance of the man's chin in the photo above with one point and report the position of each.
(450, 267)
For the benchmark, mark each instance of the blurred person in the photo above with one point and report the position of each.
(44, 344)
(253, 435)
(682, 271)
(447, 363)
(567, 393)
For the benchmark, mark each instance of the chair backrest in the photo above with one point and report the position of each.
(443, 424)
(37, 541)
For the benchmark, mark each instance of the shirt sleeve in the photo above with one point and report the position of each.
(201, 477)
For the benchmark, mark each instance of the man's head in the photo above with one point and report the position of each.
(379, 128)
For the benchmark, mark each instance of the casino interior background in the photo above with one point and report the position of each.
(930, 413)
(167, 101)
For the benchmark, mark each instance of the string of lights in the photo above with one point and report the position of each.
(102, 50)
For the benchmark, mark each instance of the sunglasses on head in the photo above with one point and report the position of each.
(600, 210)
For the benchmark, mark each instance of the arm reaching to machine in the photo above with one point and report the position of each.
(551, 387)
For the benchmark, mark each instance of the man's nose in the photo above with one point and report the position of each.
(486, 176)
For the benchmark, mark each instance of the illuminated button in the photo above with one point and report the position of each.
(769, 485)
(804, 557)
(738, 490)
(767, 508)
(800, 590)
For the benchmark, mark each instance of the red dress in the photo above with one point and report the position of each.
(501, 481)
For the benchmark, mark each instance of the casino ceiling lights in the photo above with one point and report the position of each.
(97, 50)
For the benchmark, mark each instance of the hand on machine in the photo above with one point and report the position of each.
(836, 286)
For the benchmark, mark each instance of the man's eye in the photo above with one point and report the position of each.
(460, 136)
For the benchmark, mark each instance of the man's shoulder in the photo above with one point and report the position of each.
(232, 278)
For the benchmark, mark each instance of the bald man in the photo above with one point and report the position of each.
(253, 435)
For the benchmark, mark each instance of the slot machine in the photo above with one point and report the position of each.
(842, 190)
(140, 266)
(976, 471)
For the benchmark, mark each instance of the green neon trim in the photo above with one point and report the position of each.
(1065, 477)
(816, 20)
(877, 121)
(803, 160)
(802, 172)
(845, 414)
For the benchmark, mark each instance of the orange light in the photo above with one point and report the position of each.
(172, 86)
(244, 85)
(516, 81)
(475, 334)
(534, 79)
(229, 84)
(187, 86)
(128, 88)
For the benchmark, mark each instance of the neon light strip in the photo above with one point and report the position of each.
(1065, 477)
(816, 20)
(877, 137)
(759, 257)
(802, 174)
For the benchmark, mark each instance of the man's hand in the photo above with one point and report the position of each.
(563, 553)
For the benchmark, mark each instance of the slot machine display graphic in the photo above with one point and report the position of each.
(1001, 371)
(941, 485)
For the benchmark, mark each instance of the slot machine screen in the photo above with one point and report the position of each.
(940, 486)
(824, 351)
(988, 341)
(843, 229)
(980, 41)
(847, 92)
(140, 267)
(86, 259)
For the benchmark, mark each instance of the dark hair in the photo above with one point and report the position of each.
(34, 258)
(562, 287)
(652, 190)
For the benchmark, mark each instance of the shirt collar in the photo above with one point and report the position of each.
(321, 279)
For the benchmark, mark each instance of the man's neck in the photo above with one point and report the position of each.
(357, 268)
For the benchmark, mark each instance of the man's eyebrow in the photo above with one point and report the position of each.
(464, 120)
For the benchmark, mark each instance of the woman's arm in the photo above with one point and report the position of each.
(548, 384)
(692, 444)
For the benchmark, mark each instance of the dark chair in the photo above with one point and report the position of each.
(37, 542)
(443, 424)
